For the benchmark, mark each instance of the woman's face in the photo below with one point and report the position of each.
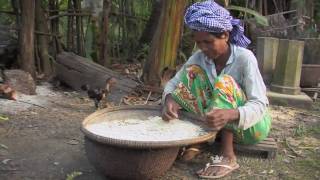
(213, 47)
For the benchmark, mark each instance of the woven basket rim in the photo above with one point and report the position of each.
(142, 144)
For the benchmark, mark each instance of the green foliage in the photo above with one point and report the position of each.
(5, 5)
(300, 130)
(127, 22)
(3, 118)
(73, 175)
(6, 19)
(260, 19)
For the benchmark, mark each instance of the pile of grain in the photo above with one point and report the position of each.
(152, 129)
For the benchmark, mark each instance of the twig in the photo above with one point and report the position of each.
(146, 102)
(68, 14)
(307, 114)
(287, 27)
(7, 12)
(31, 104)
(47, 34)
(10, 170)
(292, 149)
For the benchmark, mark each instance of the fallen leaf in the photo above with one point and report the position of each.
(264, 172)
(3, 118)
(271, 171)
(286, 161)
(3, 146)
(5, 161)
(73, 175)
(291, 156)
(73, 142)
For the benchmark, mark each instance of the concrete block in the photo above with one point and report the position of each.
(311, 53)
(300, 101)
(287, 74)
(267, 49)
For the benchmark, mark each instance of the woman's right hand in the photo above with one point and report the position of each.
(170, 109)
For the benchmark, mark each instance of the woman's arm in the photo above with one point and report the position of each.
(255, 91)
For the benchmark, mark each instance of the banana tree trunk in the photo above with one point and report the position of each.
(165, 43)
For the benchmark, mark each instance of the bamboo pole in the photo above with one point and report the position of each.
(103, 54)
(79, 29)
(44, 64)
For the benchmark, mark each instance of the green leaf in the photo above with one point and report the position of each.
(3, 146)
(262, 20)
(3, 118)
(73, 175)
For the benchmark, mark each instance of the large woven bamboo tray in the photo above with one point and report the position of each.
(125, 159)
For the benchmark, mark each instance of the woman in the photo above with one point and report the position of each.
(222, 82)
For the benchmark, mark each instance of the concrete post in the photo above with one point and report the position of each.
(311, 53)
(286, 78)
(267, 49)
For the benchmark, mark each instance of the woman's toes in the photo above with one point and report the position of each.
(210, 171)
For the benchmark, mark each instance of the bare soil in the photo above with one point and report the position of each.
(44, 141)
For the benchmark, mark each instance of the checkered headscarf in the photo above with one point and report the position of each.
(208, 16)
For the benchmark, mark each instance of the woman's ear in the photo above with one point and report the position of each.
(226, 36)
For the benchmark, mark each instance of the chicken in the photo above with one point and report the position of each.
(97, 94)
(7, 92)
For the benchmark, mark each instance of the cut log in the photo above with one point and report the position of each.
(76, 71)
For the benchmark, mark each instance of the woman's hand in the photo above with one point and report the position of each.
(218, 118)
(170, 109)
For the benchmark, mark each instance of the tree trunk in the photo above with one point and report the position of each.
(166, 40)
(103, 54)
(76, 71)
(17, 9)
(79, 29)
(43, 40)
(54, 7)
(70, 30)
(26, 37)
(152, 23)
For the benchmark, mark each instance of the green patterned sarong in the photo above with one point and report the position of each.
(196, 94)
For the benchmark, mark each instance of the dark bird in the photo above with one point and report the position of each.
(97, 94)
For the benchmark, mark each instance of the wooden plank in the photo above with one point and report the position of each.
(267, 148)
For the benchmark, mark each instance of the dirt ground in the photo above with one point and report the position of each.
(45, 142)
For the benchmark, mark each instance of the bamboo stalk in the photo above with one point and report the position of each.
(70, 35)
(42, 50)
(79, 29)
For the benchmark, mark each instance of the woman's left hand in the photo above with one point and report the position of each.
(218, 118)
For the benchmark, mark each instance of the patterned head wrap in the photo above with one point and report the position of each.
(208, 16)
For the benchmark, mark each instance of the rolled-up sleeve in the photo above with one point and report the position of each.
(171, 85)
(255, 91)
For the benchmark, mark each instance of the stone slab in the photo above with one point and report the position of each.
(299, 101)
